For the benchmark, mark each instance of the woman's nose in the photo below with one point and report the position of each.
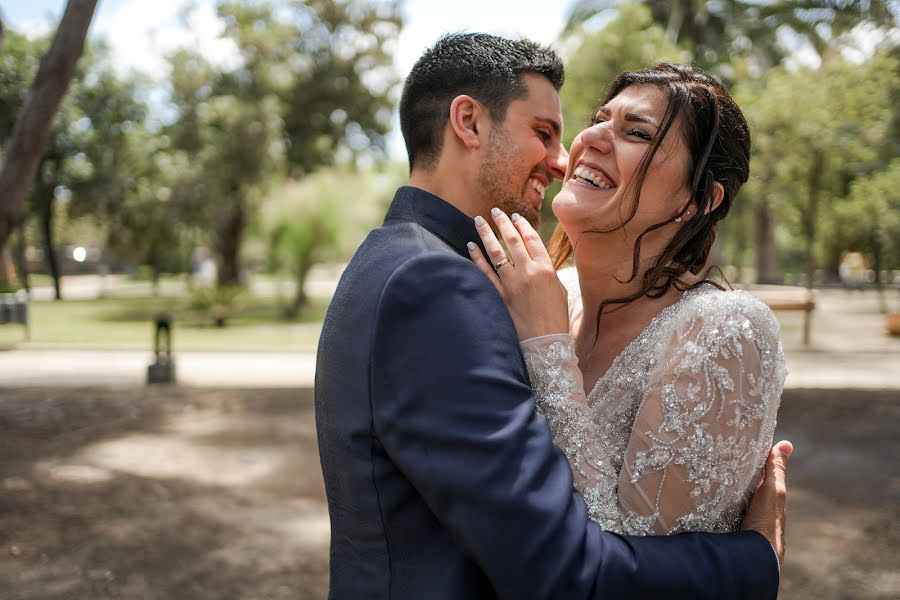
(598, 136)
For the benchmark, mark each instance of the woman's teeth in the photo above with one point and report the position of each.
(584, 174)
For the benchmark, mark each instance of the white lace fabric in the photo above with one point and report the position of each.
(675, 435)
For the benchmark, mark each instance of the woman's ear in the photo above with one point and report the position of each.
(718, 196)
(466, 114)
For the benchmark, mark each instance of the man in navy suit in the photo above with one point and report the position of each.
(441, 480)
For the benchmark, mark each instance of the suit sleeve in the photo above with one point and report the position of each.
(453, 408)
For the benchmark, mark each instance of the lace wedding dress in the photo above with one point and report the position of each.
(675, 435)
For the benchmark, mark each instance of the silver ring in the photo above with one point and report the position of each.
(501, 263)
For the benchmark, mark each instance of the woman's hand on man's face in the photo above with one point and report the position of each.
(526, 279)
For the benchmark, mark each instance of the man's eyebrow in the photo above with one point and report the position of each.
(631, 116)
(553, 123)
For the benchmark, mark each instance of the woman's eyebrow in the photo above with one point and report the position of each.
(630, 116)
(640, 119)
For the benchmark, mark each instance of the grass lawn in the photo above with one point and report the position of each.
(127, 323)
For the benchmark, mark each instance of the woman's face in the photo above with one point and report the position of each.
(598, 187)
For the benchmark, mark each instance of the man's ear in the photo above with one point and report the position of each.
(467, 120)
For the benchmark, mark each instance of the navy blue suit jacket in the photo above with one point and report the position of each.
(442, 482)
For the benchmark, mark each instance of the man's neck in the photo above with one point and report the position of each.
(453, 190)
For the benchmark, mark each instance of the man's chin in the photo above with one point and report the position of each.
(531, 214)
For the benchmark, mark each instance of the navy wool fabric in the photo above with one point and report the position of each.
(442, 482)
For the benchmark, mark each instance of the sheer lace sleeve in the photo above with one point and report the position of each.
(559, 396)
(705, 425)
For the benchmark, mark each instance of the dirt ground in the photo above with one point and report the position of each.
(210, 494)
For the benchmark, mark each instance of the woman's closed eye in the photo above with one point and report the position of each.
(598, 119)
(641, 134)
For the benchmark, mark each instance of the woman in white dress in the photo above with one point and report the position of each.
(660, 387)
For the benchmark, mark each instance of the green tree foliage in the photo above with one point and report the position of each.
(322, 217)
(19, 58)
(229, 148)
(868, 218)
(32, 123)
(313, 83)
(816, 131)
(734, 39)
(90, 159)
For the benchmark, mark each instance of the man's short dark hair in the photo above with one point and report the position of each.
(485, 67)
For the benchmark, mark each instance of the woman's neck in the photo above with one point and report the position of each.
(604, 273)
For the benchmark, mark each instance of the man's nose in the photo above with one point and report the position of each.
(558, 162)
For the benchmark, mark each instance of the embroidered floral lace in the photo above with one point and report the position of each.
(675, 435)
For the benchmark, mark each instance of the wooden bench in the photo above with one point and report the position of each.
(14, 309)
(782, 298)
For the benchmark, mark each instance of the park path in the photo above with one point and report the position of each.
(849, 350)
(120, 369)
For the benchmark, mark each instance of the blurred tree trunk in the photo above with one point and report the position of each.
(766, 271)
(21, 259)
(877, 265)
(156, 268)
(32, 126)
(304, 265)
(742, 242)
(43, 198)
(230, 236)
(810, 219)
(764, 231)
(300, 297)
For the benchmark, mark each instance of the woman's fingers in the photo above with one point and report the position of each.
(495, 252)
(514, 243)
(482, 263)
(533, 242)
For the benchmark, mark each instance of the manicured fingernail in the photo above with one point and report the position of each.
(471, 246)
(515, 217)
(495, 212)
(479, 221)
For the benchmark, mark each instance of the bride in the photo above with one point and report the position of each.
(660, 386)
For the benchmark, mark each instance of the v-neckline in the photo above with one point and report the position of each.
(656, 318)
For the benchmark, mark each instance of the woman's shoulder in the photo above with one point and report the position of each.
(721, 325)
(729, 309)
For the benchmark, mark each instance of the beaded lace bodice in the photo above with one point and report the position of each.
(675, 434)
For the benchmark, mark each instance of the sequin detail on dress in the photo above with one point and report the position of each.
(675, 435)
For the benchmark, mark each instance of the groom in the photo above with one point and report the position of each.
(441, 480)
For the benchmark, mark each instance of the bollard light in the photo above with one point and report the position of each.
(162, 370)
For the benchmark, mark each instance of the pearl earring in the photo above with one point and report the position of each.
(678, 219)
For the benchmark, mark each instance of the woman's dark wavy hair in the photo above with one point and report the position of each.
(716, 135)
